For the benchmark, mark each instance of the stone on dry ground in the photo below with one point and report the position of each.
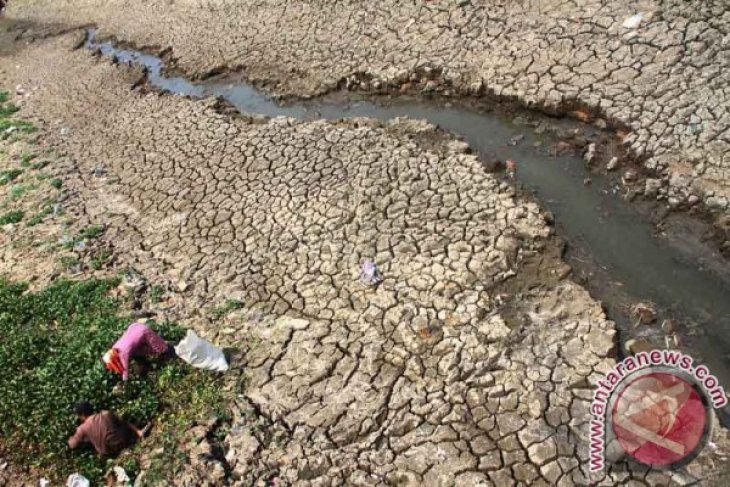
(667, 80)
(423, 380)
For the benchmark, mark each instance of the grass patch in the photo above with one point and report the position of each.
(9, 109)
(9, 176)
(10, 125)
(228, 305)
(56, 183)
(100, 258)
(38, 217)
(156, 293)
(18, 190)
(40, 164)
(49, 355)
(25, 159)
(11, 217)
(91, 231)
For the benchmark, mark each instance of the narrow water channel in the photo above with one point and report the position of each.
(594, 217)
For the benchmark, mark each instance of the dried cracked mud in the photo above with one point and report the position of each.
(665, 81)
(460, 368)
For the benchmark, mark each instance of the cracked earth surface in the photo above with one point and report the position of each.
(426, 379)
(665, 80)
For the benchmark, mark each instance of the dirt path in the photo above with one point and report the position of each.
(427, 379)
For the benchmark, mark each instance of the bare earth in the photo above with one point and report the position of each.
(461, 368)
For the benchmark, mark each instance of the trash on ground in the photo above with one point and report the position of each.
(77, 480)
(201, 354)
(645, 312)
(633, 21)
(121, 474)
(370, 275)
(511, 167)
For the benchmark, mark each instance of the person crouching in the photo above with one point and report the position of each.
(138, 342)
(107, 433)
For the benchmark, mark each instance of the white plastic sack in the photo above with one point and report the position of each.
(77, 480)
(200, 353)
(633, 21)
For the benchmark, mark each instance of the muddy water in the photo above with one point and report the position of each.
(608, 234)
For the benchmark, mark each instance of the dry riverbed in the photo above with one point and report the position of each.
(470, 364)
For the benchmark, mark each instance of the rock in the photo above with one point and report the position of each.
(651, 187)
(590, 153)
(669, 326)
(629, 176)
(637, 345)
(182, 286)
(612, 164)
(645, 312)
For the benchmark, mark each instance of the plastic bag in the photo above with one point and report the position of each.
(633, 21)
(77, 480)
(200, 353)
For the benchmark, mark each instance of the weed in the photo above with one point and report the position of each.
(11, 217)
(91, 231)
(9, 175)
(38, 217)
(49, 355)
(156, 293)
(18, 190)
(9, 109)
(40, 164)
(100, 258)
(69, 262)
(56, 183)
(225, 308)
(25, 159)
(4, 96)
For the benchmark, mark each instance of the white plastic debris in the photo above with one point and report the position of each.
(44, 482)
(121, 474)
(77, 480)
(201, 354)
(370, 273)
(633, 21)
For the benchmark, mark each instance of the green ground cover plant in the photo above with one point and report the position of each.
(50, 357)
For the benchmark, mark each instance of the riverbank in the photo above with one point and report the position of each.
(661, 81)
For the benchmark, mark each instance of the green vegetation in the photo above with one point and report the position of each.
(9, 176)
(91, 231)
(38, 217)
(10, 125)
(56, 183)
(25, 159)
(18, 190)
(225, 308)
(40, 164)
(100, 258)
(156, 293)
(50, 357)
(11, 217)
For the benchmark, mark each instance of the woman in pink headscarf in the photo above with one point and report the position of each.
(140, 342)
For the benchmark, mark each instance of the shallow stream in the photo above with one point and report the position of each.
(631, 263)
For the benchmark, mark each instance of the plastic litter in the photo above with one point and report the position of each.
(44, 482)
(370, 274)
(201, 354)
(77, 480)
(633, 21)
(121, 474)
